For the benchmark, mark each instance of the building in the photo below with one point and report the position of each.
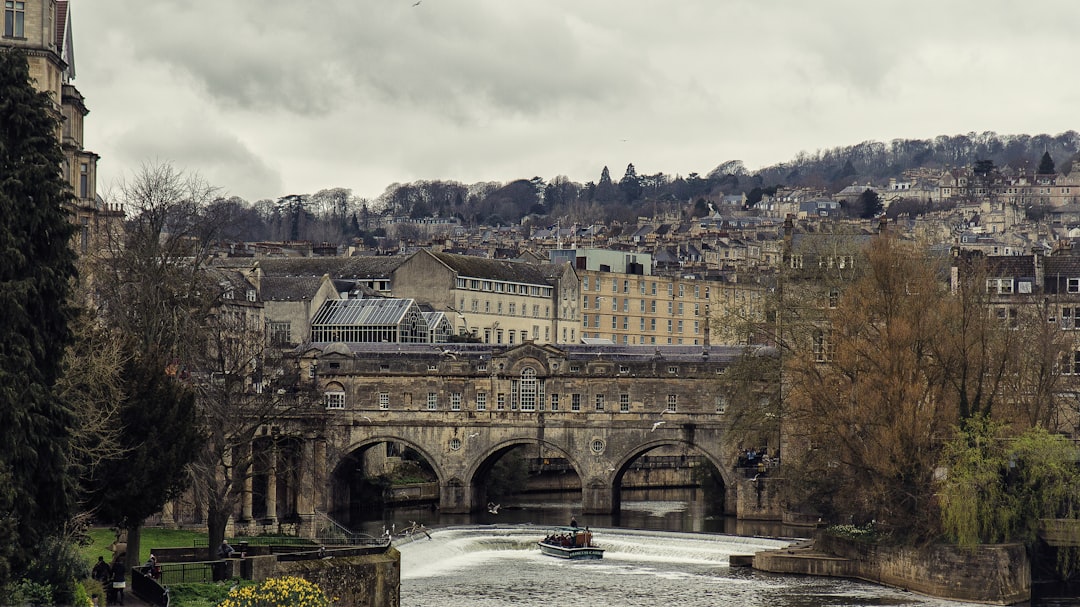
(493, 300)
(42, 30)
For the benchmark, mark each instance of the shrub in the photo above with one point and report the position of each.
(277, 592)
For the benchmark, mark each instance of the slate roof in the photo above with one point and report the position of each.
(289, 288)
(495, 269)
(336, 267)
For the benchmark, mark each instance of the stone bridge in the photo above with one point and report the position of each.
(462, 407)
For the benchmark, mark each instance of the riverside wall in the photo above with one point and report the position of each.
(998, 574)
(353, 581)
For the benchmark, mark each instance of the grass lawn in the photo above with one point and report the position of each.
(152, 537)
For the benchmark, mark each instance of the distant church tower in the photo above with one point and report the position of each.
(42, 30)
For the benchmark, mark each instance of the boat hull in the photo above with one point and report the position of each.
(573, 554)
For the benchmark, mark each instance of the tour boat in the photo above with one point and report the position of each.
(573, 543)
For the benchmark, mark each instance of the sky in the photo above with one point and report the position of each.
(271, 97)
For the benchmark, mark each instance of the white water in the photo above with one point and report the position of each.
(501, 565)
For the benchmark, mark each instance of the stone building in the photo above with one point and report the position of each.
(42, 30)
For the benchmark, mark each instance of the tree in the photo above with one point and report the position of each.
(153, 292)
(1001, 483)
(865, 407)
(159, 439)
(605, 189)
(37, 266)
(241, 383)
(630, 185)
(1046, 164)
(870, 205)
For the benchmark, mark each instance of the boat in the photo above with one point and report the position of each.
(574, 543)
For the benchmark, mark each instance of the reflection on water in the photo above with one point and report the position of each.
(683, 509)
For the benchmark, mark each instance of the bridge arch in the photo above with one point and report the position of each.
(341, 489)
(483, 463)
(613, 483)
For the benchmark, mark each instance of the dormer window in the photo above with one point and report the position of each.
(1001, 286)
(1073, 285)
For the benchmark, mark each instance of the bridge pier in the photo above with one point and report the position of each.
(598, 497)
(456, 497)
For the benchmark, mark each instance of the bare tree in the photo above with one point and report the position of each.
(241, 386)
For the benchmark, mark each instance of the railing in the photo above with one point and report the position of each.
(147, 588)
(329, 531)
(193, 572)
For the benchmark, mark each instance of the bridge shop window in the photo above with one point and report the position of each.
(334, 399)
(597, 446)
(624, 403)
(432, 401)
(455, 444)
(455, 401)
(721, 404)
(599, 402)
(500, 401)
(527, 390)
(384, 400)
(554, 402)
(575, 402)
(481, 401)
(672, 403)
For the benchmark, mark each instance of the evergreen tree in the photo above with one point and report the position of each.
(159, 442)
(36, 272)
(630, 185)
(1046, 164)
(869, 204)
(605, 189)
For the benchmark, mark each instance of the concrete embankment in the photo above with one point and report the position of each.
(997, 574)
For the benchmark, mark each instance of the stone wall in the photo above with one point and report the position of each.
(352, 581)
(997, 574)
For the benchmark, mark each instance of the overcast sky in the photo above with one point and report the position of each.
(272, 97)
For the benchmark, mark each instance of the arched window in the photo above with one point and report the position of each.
(528, 389)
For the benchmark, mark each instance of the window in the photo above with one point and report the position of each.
(481, 401)
(585, 320)
(624, 369)
(384, 400)
(455, 401)
(626, 286)
(823, 347)
(1070, 318)
(432, 401)
(1001, 286)
(513, 309)
(84, 180)
(652, 306)
(584, 283)
(834, 297)
(528, 388)
(14, 19)
(672, 403)
(614, 322)
(500, 402)
(673, 369)
(670, 308)
(455, 444)
(1073, 285)
(624, 403)
(721, 404)
(554, 402)
(432, 367)
(335, 400)
(597, 446)
(280, 333)
(251, 295)
(599, 402)
(575, 402)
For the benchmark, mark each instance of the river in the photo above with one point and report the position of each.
(664, 548)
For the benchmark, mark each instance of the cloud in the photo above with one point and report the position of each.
(276, 97)
(192, 145)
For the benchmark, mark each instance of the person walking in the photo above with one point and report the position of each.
(119, 580)
(101, 571)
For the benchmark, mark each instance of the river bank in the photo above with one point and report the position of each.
(992, 574)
